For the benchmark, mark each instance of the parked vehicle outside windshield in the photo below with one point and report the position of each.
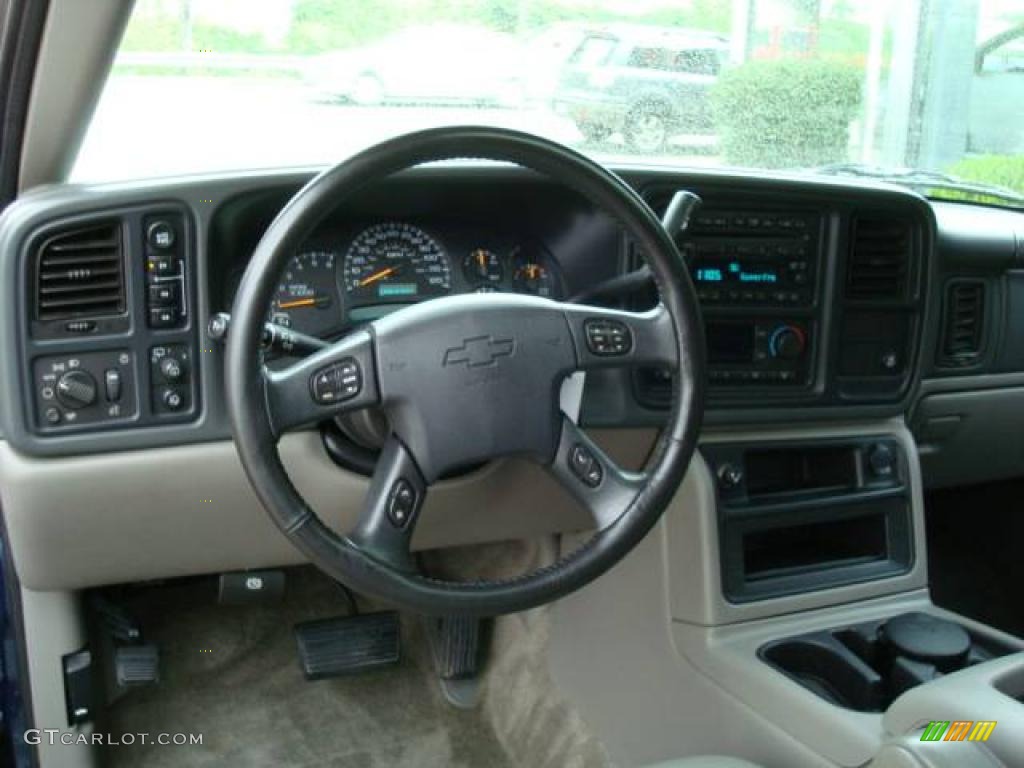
(923, 93)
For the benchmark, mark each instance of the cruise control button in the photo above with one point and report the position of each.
(401, 502)
(337, 383)
(585, 466)
(608, 338)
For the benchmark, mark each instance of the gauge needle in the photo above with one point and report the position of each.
(377, 276)
(296, 303)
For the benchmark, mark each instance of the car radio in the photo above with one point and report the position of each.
(763, 351)
(760, 259)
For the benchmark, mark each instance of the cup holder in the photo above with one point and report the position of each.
(865, 666)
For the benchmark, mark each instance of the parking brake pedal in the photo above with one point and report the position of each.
(348, 644)
(136, 665)
(128, 661)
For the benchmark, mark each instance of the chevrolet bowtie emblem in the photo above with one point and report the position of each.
(480, 351)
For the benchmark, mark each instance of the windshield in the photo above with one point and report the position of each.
(864, 87)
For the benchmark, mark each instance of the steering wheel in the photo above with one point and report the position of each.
(465, 379)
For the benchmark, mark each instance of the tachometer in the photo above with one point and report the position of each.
(395, 262)
(307, 297)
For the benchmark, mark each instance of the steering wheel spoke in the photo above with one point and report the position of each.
(592, 477)
(340, 378)
(612, 337)
(391, 508)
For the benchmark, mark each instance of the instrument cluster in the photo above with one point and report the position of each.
(339, 282)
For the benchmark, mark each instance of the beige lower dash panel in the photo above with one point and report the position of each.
(139, 515)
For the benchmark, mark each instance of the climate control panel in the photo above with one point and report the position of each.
(767, 351)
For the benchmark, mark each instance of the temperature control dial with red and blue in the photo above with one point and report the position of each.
(787, 342)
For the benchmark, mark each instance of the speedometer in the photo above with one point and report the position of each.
(395, 262)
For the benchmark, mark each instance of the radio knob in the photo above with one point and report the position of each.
(76, 389)
(787, 342)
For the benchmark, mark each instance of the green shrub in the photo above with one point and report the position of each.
(786, 113)
(1001, 170)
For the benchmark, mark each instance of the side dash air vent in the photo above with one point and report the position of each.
(963, 324)
(880, 256)
(80, 273)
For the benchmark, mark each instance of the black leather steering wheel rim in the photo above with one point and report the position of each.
(251, 395)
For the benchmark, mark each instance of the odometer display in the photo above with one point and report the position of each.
(395, 262)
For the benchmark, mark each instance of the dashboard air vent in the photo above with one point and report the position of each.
(964, 323)
(80, 273)
(880, 256)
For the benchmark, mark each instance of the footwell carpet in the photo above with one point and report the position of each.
(231, 674)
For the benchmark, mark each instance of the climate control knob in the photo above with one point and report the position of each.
(787, 342)
(76, 389)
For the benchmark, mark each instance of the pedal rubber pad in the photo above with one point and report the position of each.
(455, 642)
(348, 644)
(137, 665)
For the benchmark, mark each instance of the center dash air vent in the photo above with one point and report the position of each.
(963, 323)
(80, 273)
(880, 256)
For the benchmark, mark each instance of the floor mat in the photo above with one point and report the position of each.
(231, 674)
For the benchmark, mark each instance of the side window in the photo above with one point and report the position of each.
(649, 58)
(1008, 57)
(593, 52)
(694, 61)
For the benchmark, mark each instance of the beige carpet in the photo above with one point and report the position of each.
(232, 675)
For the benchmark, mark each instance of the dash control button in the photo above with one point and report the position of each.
(401, 502)
(337, 383)
(160, 235)
(608, 338)
(585, 466)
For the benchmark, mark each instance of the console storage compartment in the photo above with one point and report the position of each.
(805, 516)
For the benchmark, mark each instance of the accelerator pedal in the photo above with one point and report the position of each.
(456, 644)
(348, 644)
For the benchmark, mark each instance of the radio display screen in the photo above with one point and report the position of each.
(730, 343)
(736, 271)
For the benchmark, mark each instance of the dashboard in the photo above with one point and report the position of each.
(822, 300)
(829, 307)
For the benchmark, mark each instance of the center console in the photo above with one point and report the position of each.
(799, 517)
(867, 665)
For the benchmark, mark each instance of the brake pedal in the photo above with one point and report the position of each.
(348, 644)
